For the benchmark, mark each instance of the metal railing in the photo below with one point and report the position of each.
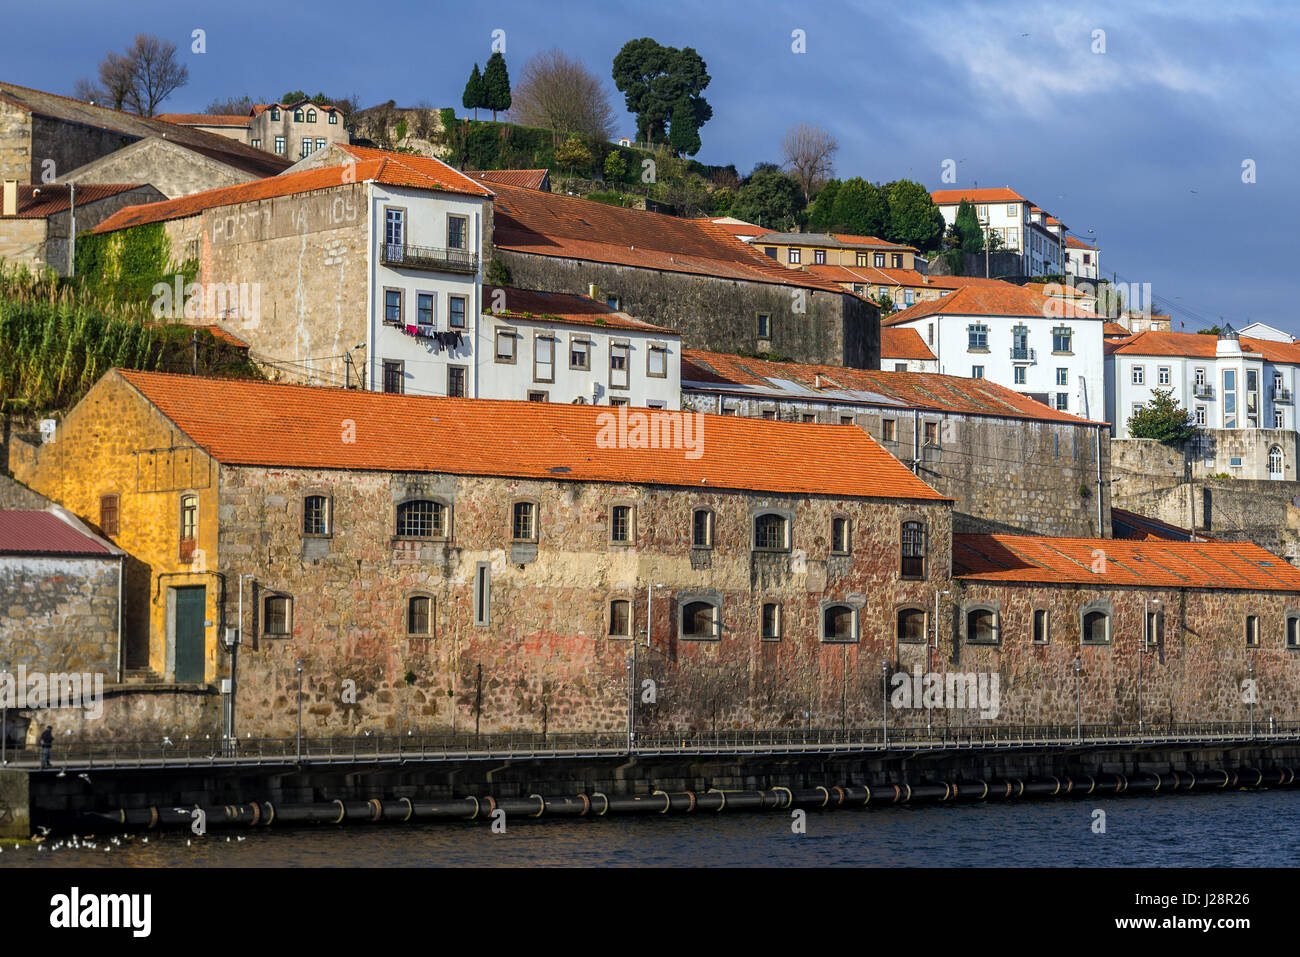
(1203, 391)
(411, 747)
(428, 257)
(1023, 354)
(1281, 394)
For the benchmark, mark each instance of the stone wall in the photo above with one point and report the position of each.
(1151, 479)
(22, 242)
(15, 144)
(1017, 476)
(721, 315)
(70, 145)
(1194, 672)
(59, 614)
(55, 251)
(546, 657)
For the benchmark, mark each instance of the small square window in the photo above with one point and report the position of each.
(524, 522)
(419, 615)
(456, 376)
(278, 615)
(620, 618)
(764, 325)
(456, 311)
(888, 430)
(621, 531)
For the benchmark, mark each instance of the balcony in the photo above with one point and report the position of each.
(1281, 395)
(1024, 354)
(428, 258)
(1203, 390)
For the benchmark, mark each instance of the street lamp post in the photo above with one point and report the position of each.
(1078, 700)
(1147, 632)
(298, 664)
(929, 712)
(884, 698)
(1250, 670)
(4, 717)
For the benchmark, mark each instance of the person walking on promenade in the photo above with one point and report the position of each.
(46, 741)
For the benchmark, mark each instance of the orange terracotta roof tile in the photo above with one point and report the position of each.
(563, 307)
(525, 178)
(1006, 299)
(737, 227)
(243, 422)
(202, 119)
(903, 344)
(383, 168)
(1196, 345)
(1074, 243)
(57, 198)
(717, 371)
(1114, 329)
(997, 194)
(1150, 563)
(1136, 527)
(549, 224)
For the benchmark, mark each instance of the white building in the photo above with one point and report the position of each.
(1240, 393)
(1038, 345)
(1081, 259)
(1260, 330)
(903, 350)
(552, 347)
(1021, 226)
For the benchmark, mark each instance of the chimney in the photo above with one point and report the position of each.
(593, 291)
(11, 197)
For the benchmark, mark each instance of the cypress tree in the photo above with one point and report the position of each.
(496, 85)
(475, 92)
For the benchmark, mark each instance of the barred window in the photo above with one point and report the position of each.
(524, 522)
(620, 618)
(620, 523)
(419, 615)
(421, 519)
(913, 550)
(278, 615)
(315, 515)
(772, 532)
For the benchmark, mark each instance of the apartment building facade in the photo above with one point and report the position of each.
(1240, 394)
(1046, 347)
(1082, 260)
(1020, 226)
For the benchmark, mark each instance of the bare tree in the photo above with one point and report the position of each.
(143, 77)
(560, 94)
(115, 80)
(231, 106)
(88, 91)
(808, 152)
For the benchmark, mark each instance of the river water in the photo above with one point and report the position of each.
(1241, 829)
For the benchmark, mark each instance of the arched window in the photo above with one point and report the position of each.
(421, 518)
(913, 550)
(275, 113)
(311, 116)
(911, 625)
(771, 532)
(419, 615)
(277, 615)
(982, 626)
(297, 116)
(523, 521)
(1275, 462)
(1096, 628)
(334, 118)
(839, 623)
(316, 515)
(700, 620)
(620, 618)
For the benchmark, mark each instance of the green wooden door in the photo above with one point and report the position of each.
(191, 603)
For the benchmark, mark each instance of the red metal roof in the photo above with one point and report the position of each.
(918, 390)
(57, 197)
(1150, 564)
(25, 532)
(242, 422)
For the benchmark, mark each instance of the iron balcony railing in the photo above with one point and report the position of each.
(1203, 390)
(1281, 395)
(1023, 354)
(430, 258)
(84, 756)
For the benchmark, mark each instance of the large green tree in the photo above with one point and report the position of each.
(913, 218)
(769, 198)
(821, 212)
(968, 229)
(496, 85)
(474, 95)
(654, 79)
(684, 129)
(861, 208)
(1162, 419)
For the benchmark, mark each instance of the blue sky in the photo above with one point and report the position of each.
(1143, 143)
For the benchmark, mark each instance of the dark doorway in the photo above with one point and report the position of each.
(191, 605)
